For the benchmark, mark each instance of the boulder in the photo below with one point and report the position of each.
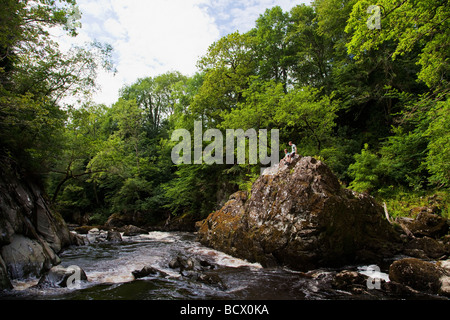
(51, 226)
(95, 235)
(185, 263)
(60, 276)
(301, 217)
(420, 275)
(113, 236)
(425, 248)
(351, 281)
(25, 258)
(77, 240)
(211, 279)
(426, 224)
(147, 271)
(131, 230)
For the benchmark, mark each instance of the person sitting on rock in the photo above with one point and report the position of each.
(291, 155)
(286, 157)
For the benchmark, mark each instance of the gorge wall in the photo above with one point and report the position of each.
(31, 234)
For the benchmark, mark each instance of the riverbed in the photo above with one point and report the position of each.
(109, 268)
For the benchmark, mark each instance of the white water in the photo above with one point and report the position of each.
(109, 268)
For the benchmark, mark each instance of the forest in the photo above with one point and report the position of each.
(371, 102)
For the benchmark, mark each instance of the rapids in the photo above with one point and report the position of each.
(109, 268)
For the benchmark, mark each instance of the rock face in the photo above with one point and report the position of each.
(31, 234)
(301, 217)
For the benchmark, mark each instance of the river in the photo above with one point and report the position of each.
(109, 268)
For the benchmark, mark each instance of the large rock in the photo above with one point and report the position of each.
(301, 217)
(421, 275)
(31, 233)
(60, 276)
(25, 258)
(5, 283)
(114, 236)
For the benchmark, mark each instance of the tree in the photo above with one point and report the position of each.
(81, 141)
(314, 50)
(438, 132)
(274, 52)
(364, 171)
(35, 76)
(227, 66)
(258, 109)
(156, 97)
(408, 24)
(312, 116)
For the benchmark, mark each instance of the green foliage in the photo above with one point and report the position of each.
(407, 24)
(438, 133)
(311, 114)
(364, 171)
(35, 75)
(403, 156)
(192, 190)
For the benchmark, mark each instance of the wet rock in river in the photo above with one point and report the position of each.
(148, 271)
(60, 276)
(24, 257)
(5, 283)
(131, 230)
(189, 263)
(95, 235)
(350, 281)
(31, 232)
(77, 240)
(113, 236)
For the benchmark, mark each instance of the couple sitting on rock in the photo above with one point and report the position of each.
(289, 156)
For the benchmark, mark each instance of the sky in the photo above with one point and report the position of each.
(151, 37)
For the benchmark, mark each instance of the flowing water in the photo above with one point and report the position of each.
(109, 267)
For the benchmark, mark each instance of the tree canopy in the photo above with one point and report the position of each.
(371, 102)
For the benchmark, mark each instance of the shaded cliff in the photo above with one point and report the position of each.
(301, 217)
(31, 234)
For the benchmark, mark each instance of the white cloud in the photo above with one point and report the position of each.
(151, 37)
